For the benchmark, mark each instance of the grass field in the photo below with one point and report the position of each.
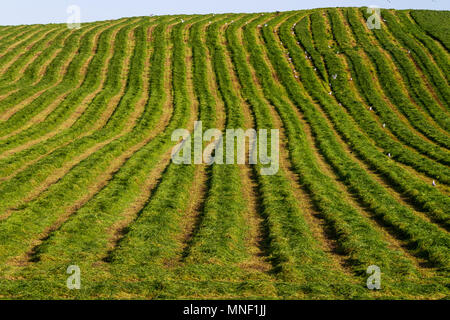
(86, 177)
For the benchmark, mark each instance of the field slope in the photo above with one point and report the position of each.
(86, 178)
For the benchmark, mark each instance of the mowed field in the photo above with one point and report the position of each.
(86, 178)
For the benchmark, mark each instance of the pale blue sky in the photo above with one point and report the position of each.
(48, 11)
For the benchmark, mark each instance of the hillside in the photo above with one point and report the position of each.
(86, 177)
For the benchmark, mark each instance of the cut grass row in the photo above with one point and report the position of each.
(127, 183)
(406, 59)
(63, 194)
(57, 80)
(289, 238)
(432, 60)
(342, 92)
(363, 80)
(390, 84)
(90, 93)
(40, 170)
(31, 72)
(427, 238)
(437, 52)
(12, 48)
(355, 237)
(20, 61)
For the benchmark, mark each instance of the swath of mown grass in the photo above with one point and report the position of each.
(286, 228)
(125, 186)
(362, 79)
(435, 51)
(93, 88)
(14, 71)
(58, 192)
(397, 266)
(92, 186)
(38, 172)
(412, 64)
(391, 85)
(50, 85)
(14, 49)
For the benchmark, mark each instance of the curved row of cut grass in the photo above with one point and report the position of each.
(55, 81)
(428, 198)
(99, 216)
(11, 48)
(53, 91)
(355, 236)
(285, 222)
(219, 236)
(435, 65)
(426, 237)
(437, 52)
(34, 69)
(20, 62)
(10, 32)
(61, 196)
(38, 172)
(406, 59)
(151, 239)
(431, 23)
(344, 95)
(390, 84)
(364, 83)
(92, 89)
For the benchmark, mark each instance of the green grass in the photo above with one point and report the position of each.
(90, 183)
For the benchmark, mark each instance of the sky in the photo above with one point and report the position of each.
(15, 12)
